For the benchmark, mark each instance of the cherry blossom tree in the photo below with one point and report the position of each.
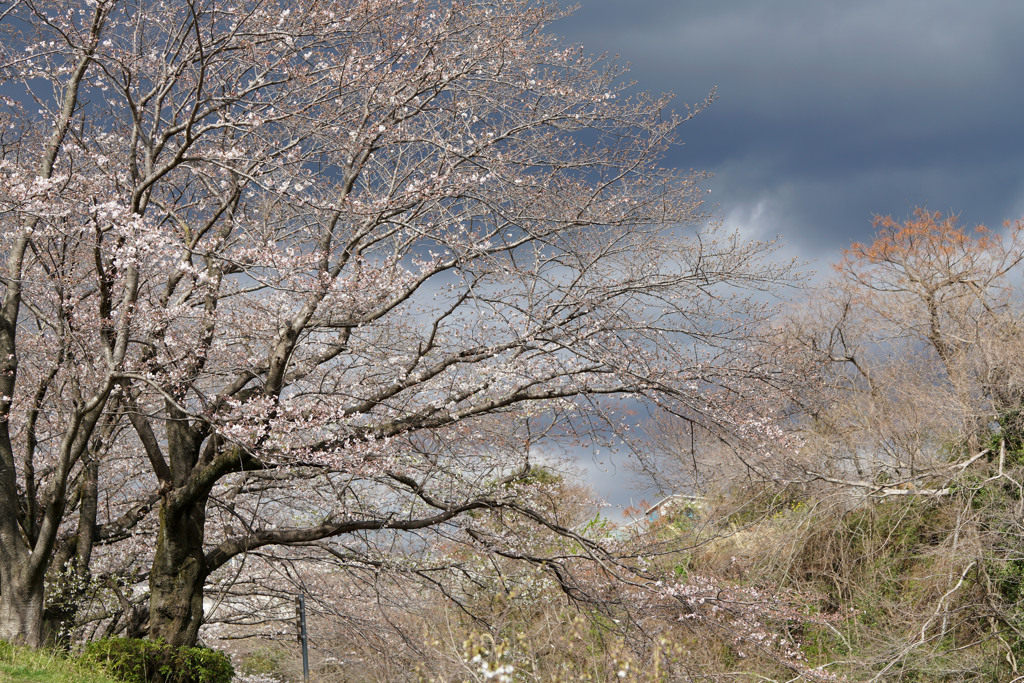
(308, 269)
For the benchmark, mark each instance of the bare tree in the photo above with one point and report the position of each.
(920, 340)
(920, 402)
(319, 255)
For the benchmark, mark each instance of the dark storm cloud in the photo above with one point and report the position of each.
(831, 111)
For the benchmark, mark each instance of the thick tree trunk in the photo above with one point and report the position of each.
(178, 575)
(21, 607)
(72, 559)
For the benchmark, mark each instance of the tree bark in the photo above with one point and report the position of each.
(178, 574)
(21, 605)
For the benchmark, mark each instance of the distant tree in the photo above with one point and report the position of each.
(920, 337)
(310, 269)
(917, 425)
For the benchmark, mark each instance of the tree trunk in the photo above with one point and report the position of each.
(73, 581)
(21, 607)
(178, 575)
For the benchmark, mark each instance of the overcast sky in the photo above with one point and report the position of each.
(830, 111)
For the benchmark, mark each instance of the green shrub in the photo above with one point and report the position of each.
(139, 661)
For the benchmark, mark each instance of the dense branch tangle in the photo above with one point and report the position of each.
(372, 239)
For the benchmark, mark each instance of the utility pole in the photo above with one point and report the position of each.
(303, 639)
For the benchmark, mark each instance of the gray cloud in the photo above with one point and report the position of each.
(831, 111)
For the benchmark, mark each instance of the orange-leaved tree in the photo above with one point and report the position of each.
(919, 335)
(917, 426)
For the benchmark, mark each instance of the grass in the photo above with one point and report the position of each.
(23, 665)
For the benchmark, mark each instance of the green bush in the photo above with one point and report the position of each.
(139, 661)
